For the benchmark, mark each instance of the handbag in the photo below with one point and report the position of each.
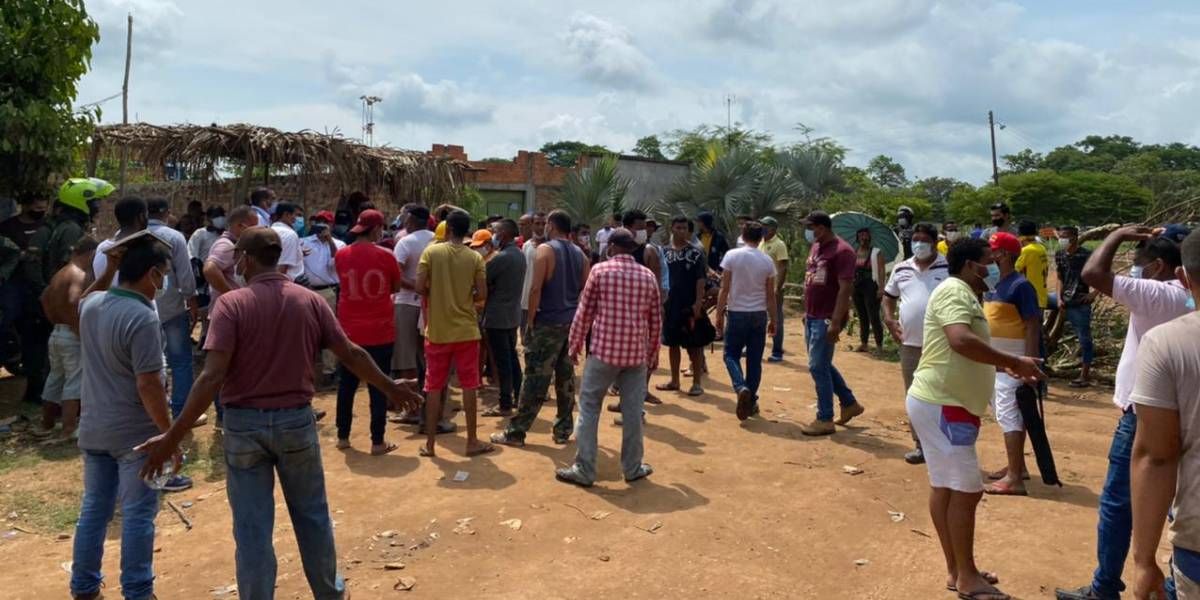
(700, 332)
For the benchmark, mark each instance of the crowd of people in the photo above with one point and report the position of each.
(285, 304)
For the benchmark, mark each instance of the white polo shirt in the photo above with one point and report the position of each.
(292, 256)
(912, 286)
(318, 263)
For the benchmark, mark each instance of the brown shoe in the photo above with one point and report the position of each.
(849, 412)
(818, 427)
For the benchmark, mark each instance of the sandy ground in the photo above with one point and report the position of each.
(752, 509)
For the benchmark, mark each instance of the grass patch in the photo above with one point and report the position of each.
(50, 512)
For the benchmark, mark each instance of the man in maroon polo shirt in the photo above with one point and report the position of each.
(260, 346)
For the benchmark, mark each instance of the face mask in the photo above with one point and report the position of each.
(1064, 242)
(37, 215)
(951, 236)
(162, 283)
(922, 250)
(993, 277)
(640, 236)
(809, 236)
(497, 243)
(1136, 271)
(298, 225)
(218, 222)
(998, 222)
(903, 221)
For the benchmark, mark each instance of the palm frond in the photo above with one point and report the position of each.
(592, 194)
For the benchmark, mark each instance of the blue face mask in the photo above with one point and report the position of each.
(1135, 272)
(1191, 303)
(809, 236)
(993, 277)
(299, 225)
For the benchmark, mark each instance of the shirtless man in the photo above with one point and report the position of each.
(60, 301)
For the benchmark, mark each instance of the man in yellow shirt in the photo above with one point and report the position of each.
(774, 247)
(451, 278)
(1033, 262)
(951, 389)
(949, 236)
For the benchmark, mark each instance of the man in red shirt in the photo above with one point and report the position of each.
(621, 308)
(828, 283)
(260, 347)
(368, 275)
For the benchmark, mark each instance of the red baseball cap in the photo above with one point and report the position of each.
(367, 220)
(1005, 241)
(324, 215)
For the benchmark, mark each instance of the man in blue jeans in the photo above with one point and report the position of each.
(178, 307)
(828, 284)
(748, 292)
(273, 327)
(1074, 297)
(123, 402)
(1154, 296)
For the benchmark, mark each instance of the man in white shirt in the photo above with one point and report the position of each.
(601, 236)
(203, 238)
(1154, 296)
(408, 353)
(911, 282)
(319, 248)
(747, 290)
(291, 260)
(530, 249)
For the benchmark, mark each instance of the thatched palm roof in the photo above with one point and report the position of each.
(201, 149)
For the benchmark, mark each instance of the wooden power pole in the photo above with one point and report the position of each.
(125, 97)
(995, 168)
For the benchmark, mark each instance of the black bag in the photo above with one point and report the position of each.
(1029, 402)
(700, 332)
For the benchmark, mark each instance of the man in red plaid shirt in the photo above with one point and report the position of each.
(621, 308)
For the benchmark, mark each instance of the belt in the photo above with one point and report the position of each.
(267, 410)
(317, 288)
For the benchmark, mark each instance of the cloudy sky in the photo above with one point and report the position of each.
(910, 78)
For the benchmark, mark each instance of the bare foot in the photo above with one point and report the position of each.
(427, 451)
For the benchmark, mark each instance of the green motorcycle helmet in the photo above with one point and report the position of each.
(84, 193)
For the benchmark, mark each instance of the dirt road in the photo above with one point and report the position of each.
(752, 510)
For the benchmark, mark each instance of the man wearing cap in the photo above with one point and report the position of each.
(319, 249)
(408, 352)
(1154, 295)
(774, 247)
(481, 242)
(828, 284)
(367, 277)
(1015, 321)
(291, 262)
(270, 430)
(453, 281)
(621, 309)
(502, 315)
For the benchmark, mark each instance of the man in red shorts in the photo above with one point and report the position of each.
(452, 279)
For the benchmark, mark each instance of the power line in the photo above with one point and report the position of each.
(98, 102)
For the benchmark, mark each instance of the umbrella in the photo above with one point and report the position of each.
(1029, 402)
(846, 225)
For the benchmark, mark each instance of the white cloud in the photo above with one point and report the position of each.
(606, 54)
(410, 99)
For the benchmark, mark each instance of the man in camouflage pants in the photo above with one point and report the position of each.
(559, 271)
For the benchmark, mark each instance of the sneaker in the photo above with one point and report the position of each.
(178, 483)
(643, 472)
(818, 427)
(745, 401)
(915, 457)
(849, 412)
(775, 359)
(406, 418)
(201, 421)
(571, 476)
(1081, 593)
(503, 439)
(97, 595)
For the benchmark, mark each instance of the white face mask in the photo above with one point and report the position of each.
(1136, 271)
(922, 250)
(951, 236)
(640, 236)
(218, 222)
(1064, 242)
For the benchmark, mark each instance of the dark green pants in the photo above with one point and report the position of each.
(545, 357)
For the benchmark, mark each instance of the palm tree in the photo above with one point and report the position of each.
(730, 182)
(592, 194)
(817, 169)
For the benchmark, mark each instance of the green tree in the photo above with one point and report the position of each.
(885, 171)
(816, 167)
(45, 47)
(968, 205)
(729, 182)
(936, 191)
(566, 153)
(649, 147)
(693, 145)
(1023, 162)
(593, 194)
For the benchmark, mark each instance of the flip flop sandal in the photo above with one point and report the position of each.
(995, 477)
(667, 387)
(425, 452)
(1003, 489)
(1078, 383)
(388, 449)
(652, 399)
(696, 391)
(987, 576)
(484, 449)
(992, 594)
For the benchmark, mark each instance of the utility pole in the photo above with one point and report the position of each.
(995, 168)
(729, 98)
(125, 97)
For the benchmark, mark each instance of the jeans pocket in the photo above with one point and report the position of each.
(298, 438)
(242, 450)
